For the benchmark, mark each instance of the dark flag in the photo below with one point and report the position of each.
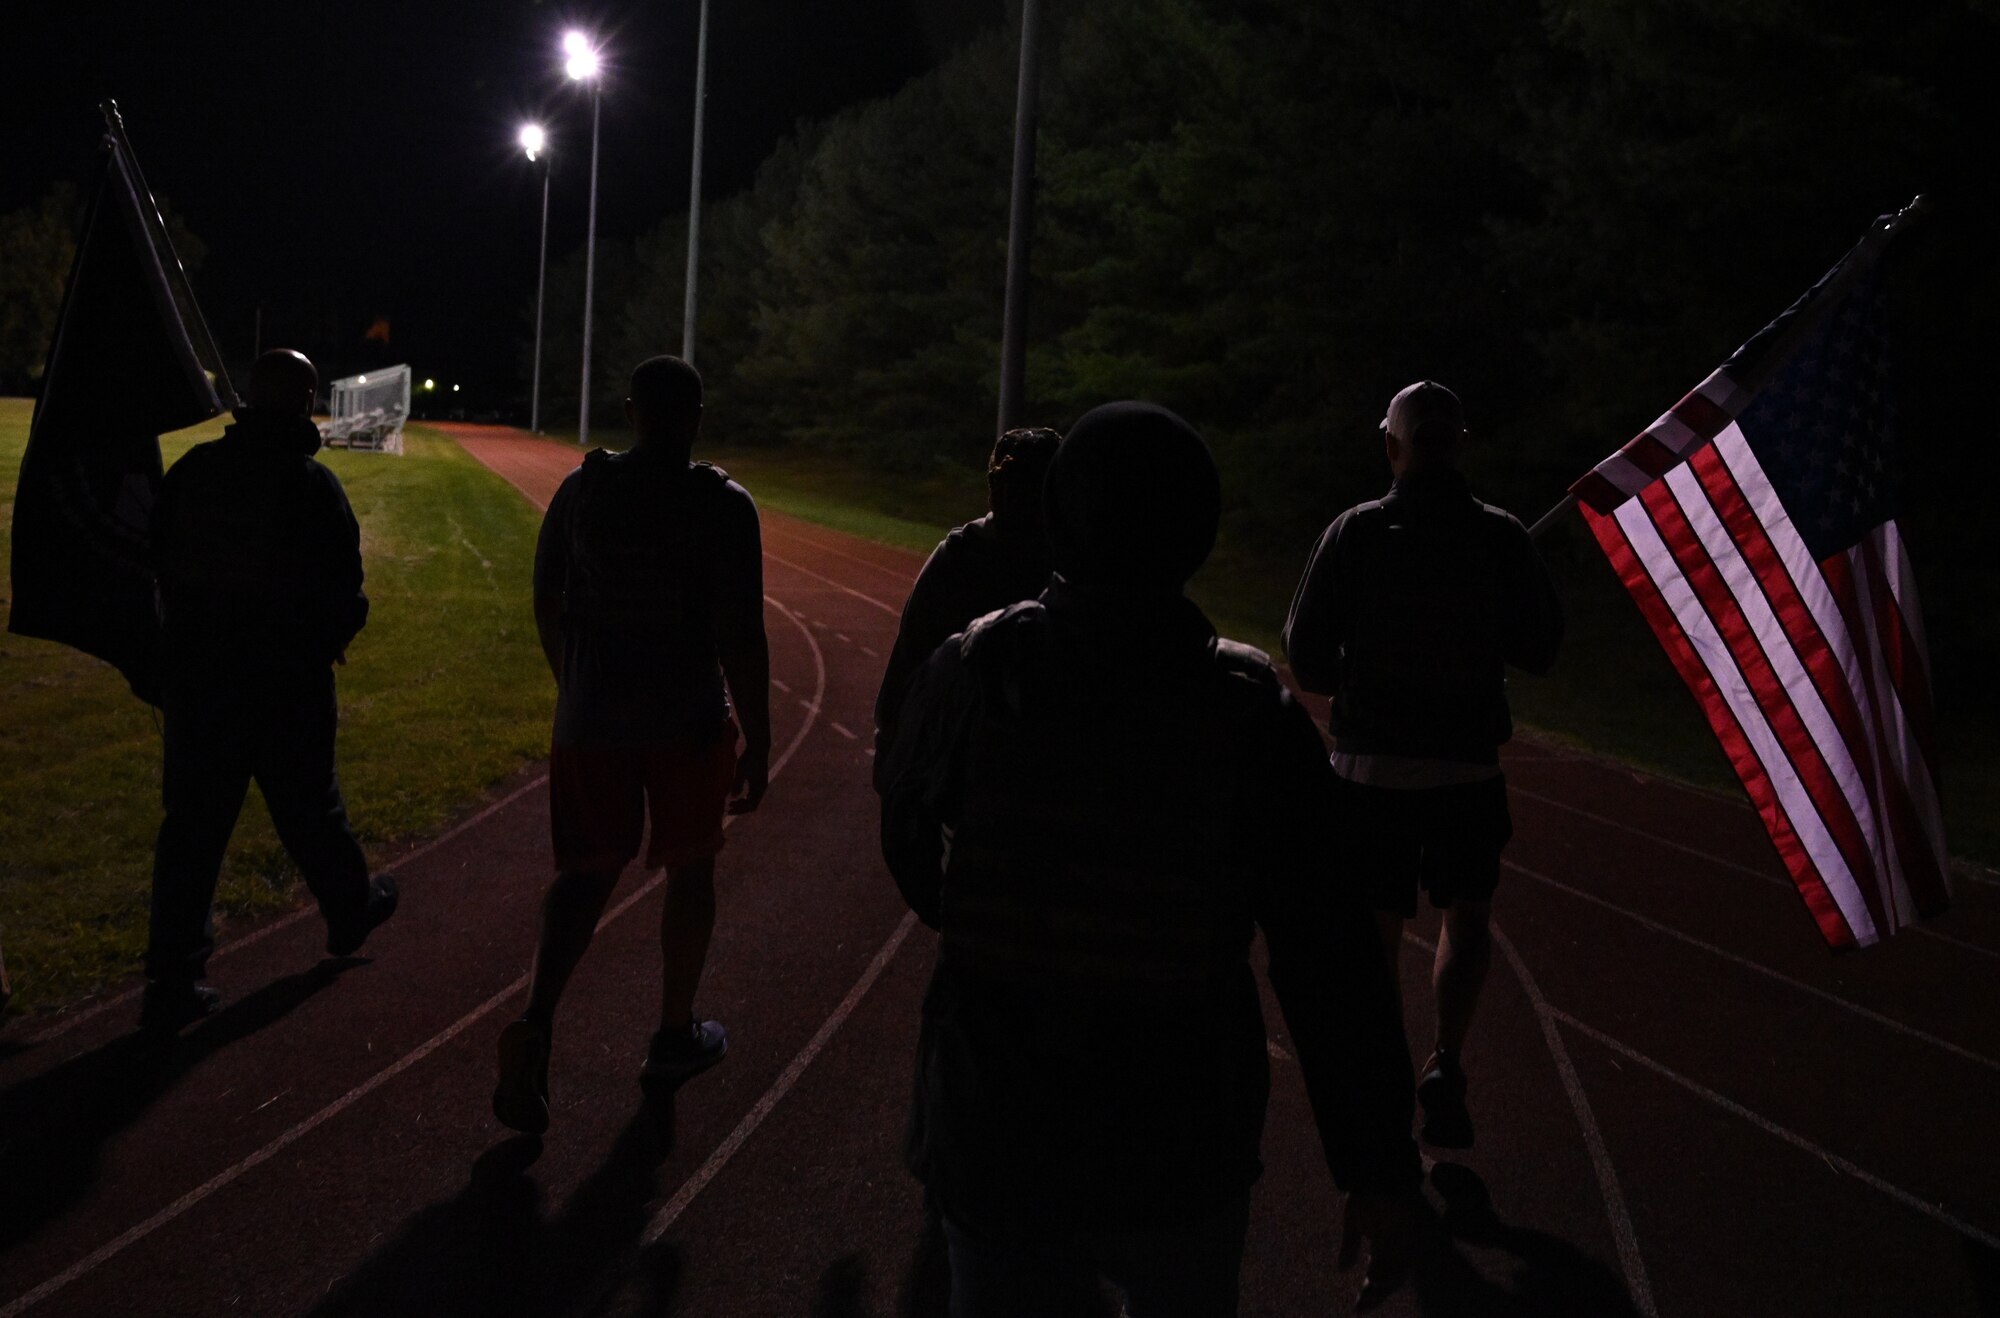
(121, 371)
(1755, 524)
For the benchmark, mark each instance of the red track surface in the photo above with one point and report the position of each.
(1686, 1105)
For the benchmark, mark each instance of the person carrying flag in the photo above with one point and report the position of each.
(1410, 610)
(259, 566)
(649, 596)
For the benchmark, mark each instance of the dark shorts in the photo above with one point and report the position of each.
(1444, 840)
(600, 798)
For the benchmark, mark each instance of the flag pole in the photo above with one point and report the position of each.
(1871, 243)
(114, 123)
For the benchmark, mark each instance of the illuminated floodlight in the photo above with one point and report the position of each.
(533, 139)
(430, 383)
(361, 379)
(454, 388)
(582, 66)
(575, 43)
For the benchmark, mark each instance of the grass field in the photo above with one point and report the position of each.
(443, 694)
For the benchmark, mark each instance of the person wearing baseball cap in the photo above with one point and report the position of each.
(1127, 798)
(1411, 608)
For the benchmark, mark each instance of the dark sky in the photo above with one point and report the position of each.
(350, 161)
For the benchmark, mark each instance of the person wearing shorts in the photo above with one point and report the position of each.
(1409, 613)
(649, 600)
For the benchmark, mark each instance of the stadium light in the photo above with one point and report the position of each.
(454, 388)
(583, 65)
(361, 379)
(430, 383)
(533, 139)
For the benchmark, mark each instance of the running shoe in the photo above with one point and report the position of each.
(678, 1056)
(521, 1098)
(169, 1004)
(1447, 1124)
(345, 937)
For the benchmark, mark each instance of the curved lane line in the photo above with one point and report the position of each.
(845, 590)
(1933, 1211)
(1866, 1013)
(227, 1176)
(64, 1024)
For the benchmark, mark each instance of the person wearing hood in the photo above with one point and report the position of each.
(258, 559)
(1408, 615)
(1097, 802)
(986, 564)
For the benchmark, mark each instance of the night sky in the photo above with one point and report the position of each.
(357, 161)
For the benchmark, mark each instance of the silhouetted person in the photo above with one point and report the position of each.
(649, 595)
(987, 564)
(259, 563)
(1408, 613)
(1097, 802)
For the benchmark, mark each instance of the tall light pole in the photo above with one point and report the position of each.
(1020, 226)
(582, 65)
(535, 142)
(694, 185)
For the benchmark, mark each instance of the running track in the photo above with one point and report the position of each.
(1686, 1106)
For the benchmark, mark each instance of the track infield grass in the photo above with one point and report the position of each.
(444, 694)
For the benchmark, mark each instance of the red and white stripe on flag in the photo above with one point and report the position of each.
(1813, 675)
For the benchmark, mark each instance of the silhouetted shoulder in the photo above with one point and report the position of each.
(1002, 632)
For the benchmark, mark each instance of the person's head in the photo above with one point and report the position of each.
(283, 382)
(1132, 500)
(664, 403)
(1424, 428)
(1014, 477)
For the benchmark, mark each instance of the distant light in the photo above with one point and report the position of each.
(582, 66)
(430, 383)
(454, 388)
(361, 379)
(533, 139)
(575, 43)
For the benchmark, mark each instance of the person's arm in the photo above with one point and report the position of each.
(1334, 988)
(918, 780)
(920, 633)
(742, 646)
(1312, 630)
(343, 603)
(1535, 616)
(552, 572)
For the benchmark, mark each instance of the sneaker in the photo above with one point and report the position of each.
(345, 937)
(678, 1056)
(1447, 1124)
(521, 1098)
(169, 1004)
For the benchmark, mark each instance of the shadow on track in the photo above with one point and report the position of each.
(1550, 1275)
(52, 1126)
(489, 1251)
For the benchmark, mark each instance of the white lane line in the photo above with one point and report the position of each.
(220, 1180)
(842, 731)
(755, 1116)
(808, 704)
(69, 1022)
(843, 638)
(1600, 1158)
(1776, 880)
(891, 610)
(781, 686)
(1629, 1259)
(1769, 1127)
(1866, 1013)
(903, 576)
(870, 653)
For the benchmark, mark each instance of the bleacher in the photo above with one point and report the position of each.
(368, 411)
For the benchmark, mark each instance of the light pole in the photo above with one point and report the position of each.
(694, 185)
(582, 65)
(534, 141)
(1020, 226)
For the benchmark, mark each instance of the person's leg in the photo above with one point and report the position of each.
(687, 922)
(1389, 932)
(294, 767)
(1464, 952)
(574, 904)
(203, 779)
(1006, 1278)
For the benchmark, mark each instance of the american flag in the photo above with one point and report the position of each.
(1755, 526)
